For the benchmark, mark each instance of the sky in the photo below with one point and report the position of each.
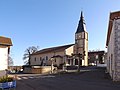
(49, 23)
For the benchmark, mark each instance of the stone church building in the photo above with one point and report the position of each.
(66, 54)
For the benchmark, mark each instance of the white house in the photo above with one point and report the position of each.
(5, 44)
(113, 46)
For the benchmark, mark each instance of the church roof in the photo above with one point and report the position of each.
(81, 26)
(5, 41)
(53, 49)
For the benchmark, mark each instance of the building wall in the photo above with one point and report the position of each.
(3, 59)
(86, 49)
(110, 50)
(113, 49)
(116, 72)
(105, 59)
(47, 61)
(35, 59)
(69, 50)
(81, 45)
(38, 69)
(97, 57)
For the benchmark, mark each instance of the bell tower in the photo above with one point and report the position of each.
(81, 41)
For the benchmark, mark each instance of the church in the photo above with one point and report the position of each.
(67, 55)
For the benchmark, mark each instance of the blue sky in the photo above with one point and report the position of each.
(48, 23)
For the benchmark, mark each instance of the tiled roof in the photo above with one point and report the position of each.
(5, 41)
(113, 15)
(53, 49)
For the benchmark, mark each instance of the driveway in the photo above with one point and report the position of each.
(88, 79)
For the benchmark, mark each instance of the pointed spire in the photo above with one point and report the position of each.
(81, 25)
(81, 18)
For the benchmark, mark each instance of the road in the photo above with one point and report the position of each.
(91, 79)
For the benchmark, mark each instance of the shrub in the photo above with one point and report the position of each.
(6, 79)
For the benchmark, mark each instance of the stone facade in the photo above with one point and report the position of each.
(117, 50)
(81, 46)
(113, 46)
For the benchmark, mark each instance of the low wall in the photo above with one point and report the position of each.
(27, 70)
(37, 69)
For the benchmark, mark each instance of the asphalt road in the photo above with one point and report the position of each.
(91, 79)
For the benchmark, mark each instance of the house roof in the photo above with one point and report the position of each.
(96, 52)
(81, 26)
(113, 15)
(5, 41)
(53, 49)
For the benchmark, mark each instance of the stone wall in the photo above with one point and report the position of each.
(37, 69)
(117, 51)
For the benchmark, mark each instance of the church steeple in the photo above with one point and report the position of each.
(81, 26)
(81, 41)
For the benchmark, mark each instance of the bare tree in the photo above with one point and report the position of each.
(28, 52)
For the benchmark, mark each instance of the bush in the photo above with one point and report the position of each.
(6, 79)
